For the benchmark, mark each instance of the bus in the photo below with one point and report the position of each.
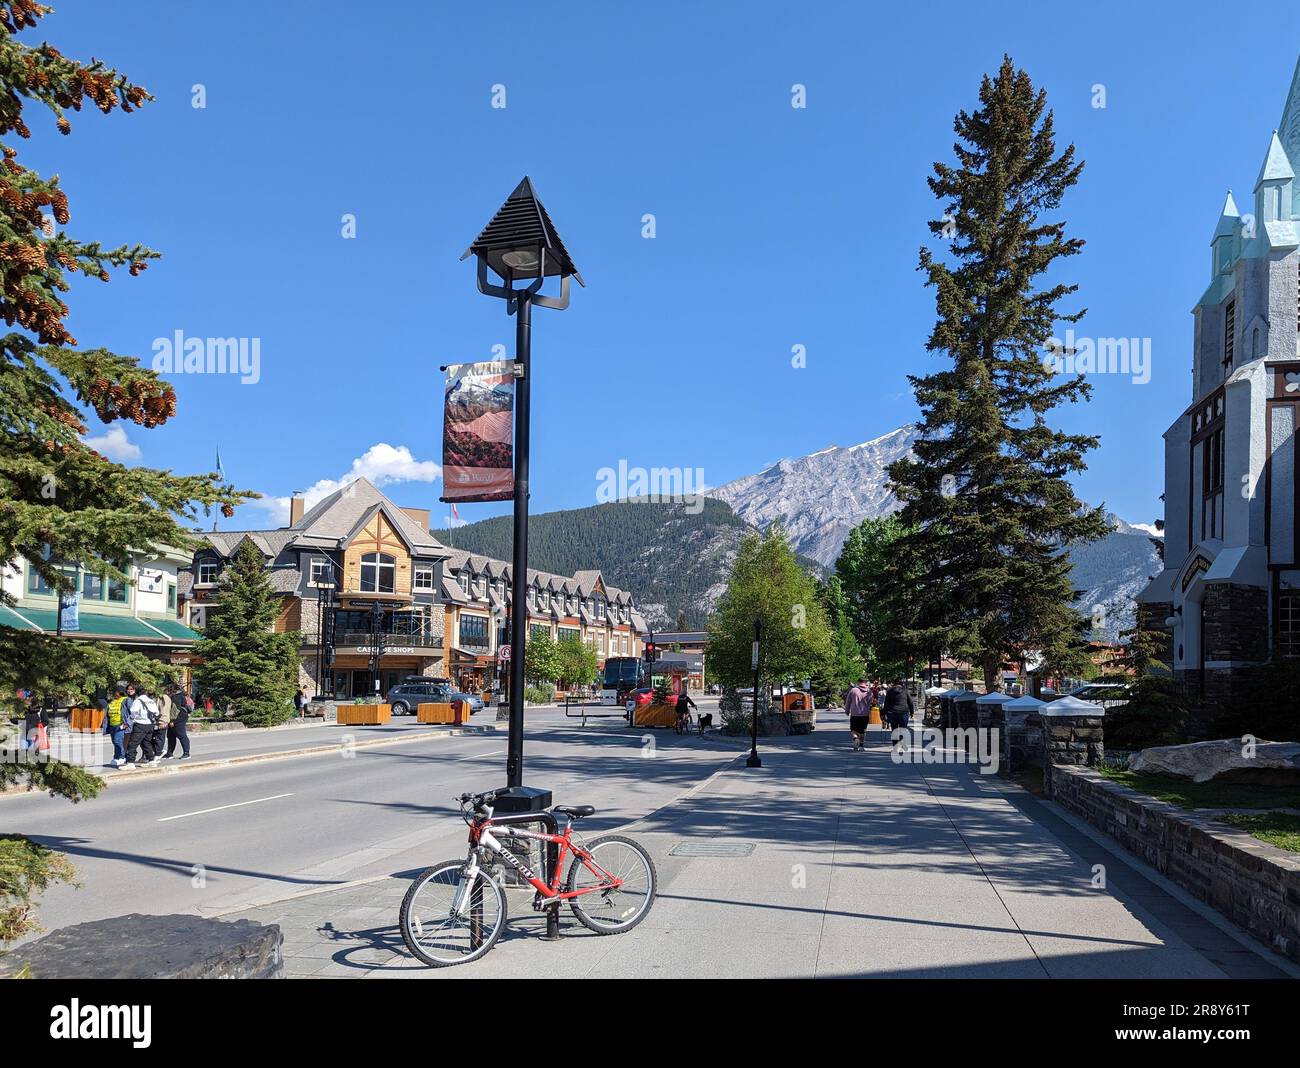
(619, 677)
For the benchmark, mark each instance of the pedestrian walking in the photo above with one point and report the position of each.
(35, 718)
(141, 711)
(161, 723)
(300, 701)
(857, 706)
(115, 724)
(178, 730)
(898, 706)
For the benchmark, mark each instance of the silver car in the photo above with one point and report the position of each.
(474, 701)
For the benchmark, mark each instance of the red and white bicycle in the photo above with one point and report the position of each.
(455, 911)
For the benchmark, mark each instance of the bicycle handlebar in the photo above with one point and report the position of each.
(479, 800)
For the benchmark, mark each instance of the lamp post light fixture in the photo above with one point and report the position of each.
(521, 244)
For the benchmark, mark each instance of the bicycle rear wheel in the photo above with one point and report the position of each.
(433, 934)
(613, 911)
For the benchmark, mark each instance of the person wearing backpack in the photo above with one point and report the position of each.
(141, 712)
(161, 724)
(178, 731)
(115, 725)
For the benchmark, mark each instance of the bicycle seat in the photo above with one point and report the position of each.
(576, 811)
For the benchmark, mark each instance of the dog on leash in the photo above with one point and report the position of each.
(706, 720)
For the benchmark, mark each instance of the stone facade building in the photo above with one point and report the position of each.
(1229, 595)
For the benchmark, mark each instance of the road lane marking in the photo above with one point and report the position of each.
(219, 808)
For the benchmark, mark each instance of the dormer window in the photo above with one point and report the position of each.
(208, 572)
(462, 576)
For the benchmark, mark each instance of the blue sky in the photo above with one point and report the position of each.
(775, 227)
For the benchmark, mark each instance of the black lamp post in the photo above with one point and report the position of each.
(754, 761)
(521, 244)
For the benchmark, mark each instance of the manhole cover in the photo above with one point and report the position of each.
(711, 849)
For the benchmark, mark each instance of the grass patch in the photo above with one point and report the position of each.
(1187, 794)
(1276, 828)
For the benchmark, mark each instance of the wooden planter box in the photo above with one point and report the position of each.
(87, 720)
(656, 716)
(442, 712)
(364, 715)
(434, 712)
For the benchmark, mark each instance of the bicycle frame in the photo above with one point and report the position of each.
(482, 838)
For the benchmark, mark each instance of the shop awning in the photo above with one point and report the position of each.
(101, 625)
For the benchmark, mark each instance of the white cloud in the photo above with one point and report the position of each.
(1149, 528)
(382, 464)
(113, 443)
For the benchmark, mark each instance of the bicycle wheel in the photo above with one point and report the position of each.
(437, 938)
(613, 911)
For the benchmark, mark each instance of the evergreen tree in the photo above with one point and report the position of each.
(62, 503)
(767, 584)
(987, 494)
(245, 664)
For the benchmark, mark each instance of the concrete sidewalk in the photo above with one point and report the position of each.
(840, 863)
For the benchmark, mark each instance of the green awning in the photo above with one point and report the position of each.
(102, 625)
(10, 618)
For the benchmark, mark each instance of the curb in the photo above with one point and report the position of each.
(189, 767)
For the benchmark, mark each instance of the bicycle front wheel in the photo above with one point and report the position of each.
(612, 910)
(434, 934)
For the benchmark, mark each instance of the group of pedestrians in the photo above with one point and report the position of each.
(894, 702)
(141, 724)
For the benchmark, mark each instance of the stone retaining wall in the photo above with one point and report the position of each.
(1254, 884)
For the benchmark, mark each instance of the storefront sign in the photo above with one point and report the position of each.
(477, 432)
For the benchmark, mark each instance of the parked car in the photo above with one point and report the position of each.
(405, 696)
(474, 701)
(1106, 694)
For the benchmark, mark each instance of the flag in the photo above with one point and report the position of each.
(221, 471)
(477, 445)
(454, 513)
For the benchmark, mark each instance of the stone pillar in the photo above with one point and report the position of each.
(1071, 737)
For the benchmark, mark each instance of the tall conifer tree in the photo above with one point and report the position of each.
(987, 495)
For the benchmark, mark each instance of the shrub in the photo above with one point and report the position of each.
(26, 868)
(1153, 716)
(539, 695)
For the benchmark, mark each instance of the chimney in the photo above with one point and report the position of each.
(297, 506)
(420, 515)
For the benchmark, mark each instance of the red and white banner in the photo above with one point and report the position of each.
(478, 432)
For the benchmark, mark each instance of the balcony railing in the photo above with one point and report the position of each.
(364, 637)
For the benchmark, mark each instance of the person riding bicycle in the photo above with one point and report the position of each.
(684, 706)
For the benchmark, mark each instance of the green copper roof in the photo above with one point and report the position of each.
(101, 625)
(1229, 219)
(1277, 167)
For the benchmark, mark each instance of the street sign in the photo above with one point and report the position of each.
(503, 652)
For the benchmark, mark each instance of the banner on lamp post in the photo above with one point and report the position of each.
(478, 432)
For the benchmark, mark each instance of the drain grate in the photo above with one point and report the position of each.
(711, 849)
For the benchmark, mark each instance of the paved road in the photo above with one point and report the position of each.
(827, 862)
(209, 840)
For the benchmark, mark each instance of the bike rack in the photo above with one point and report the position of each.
(553, 827)
(615, 711)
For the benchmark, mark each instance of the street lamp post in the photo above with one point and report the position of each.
(521, 243)
(754, 761)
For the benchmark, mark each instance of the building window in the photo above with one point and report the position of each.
(116, 591)
(378, 573)
(565, 633)
(322, 572)
(171, 597)
(92, 586)
(423, 578)
(1212, 457)
(473, 632)
(600, 609)
(462, 576)
(1229, 331)
(537, 629)
(1288, 624)
(208, 571)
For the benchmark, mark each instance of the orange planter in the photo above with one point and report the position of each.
(364, 715)
(435, 712)
(87, 720)
(656, 716)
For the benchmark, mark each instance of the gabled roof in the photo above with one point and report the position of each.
(1276, 167)
(337, 517)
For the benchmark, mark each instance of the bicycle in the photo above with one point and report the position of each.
(455, 911)
(683, 724)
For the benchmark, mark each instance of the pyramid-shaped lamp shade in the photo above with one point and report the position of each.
(520, 239)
